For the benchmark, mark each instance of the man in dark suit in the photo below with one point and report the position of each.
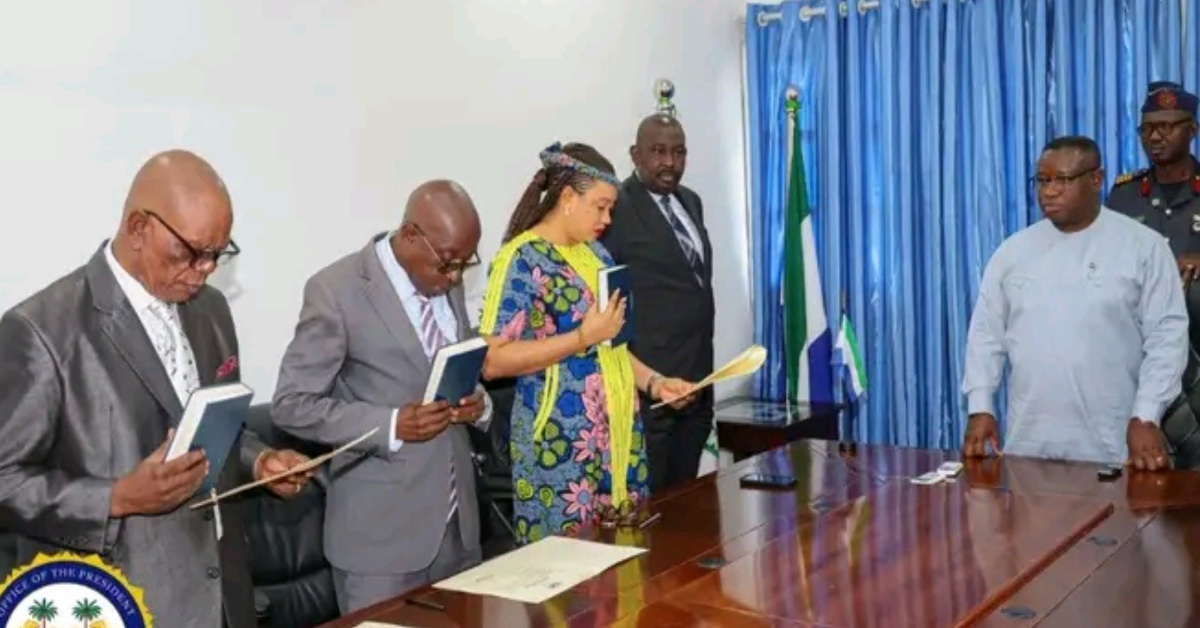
(658, 231)
(95, 370)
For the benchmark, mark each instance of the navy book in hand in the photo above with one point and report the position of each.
(455, 371)
(612, 279)
(212, 421)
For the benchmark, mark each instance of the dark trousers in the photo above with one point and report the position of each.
(675, 441)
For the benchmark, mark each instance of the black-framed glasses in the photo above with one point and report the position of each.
(197, 257)
(1042, 182)
(1162, 128)
(447, 267)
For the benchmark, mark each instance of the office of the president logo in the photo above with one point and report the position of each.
(71, 591)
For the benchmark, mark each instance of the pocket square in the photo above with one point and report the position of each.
(228, 366)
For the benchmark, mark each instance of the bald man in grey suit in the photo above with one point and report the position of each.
(94, 371)
(401, 511)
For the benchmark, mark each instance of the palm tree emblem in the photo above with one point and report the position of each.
(43, 610)
(86, 611)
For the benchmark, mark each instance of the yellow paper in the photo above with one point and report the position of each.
(311, 464)
(539, 571)
(746, 363)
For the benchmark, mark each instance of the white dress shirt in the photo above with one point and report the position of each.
(1094, 328)
(143, 305)
(443, 316)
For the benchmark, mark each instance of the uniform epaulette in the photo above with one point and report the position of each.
(1129, 176)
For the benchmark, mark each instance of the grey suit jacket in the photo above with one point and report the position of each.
(354, 360)
(84, 398)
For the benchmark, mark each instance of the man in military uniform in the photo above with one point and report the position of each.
(1166, 196)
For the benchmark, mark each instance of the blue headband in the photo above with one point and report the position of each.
(553, 156)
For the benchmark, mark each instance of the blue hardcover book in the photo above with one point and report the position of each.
(612, 279)
(455, 371)
(212, 420)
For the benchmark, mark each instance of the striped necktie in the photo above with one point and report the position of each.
(685, 240)
(433, 340)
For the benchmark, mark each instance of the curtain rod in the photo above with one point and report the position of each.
(807, 13)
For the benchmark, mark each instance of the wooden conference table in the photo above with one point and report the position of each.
(1012, 542)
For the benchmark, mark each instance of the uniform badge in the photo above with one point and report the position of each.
(1195, 223)
(1166, 99)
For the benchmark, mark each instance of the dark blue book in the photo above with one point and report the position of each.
(455, 371)
(212, 420)
(612, 279)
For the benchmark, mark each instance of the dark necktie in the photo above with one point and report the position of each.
(685, 240)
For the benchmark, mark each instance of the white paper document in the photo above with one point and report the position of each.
(541, 570)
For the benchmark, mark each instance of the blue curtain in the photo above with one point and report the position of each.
(921, 125)
(1191, 54)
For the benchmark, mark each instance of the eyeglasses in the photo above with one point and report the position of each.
(1042, 183)
(1163, 129)
(197, 257)
(447, 267)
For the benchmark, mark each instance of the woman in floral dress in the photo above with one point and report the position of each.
(576, 441)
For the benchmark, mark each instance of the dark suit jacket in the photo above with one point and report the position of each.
(84, 398)
(673, 313)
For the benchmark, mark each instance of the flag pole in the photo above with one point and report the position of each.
(791, 107)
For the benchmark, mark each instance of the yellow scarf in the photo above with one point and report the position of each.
(616, 368)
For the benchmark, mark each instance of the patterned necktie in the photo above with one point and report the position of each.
(685, 240)
(433, 340)
(174, 350)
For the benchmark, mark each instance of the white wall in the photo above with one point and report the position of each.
(322, 114)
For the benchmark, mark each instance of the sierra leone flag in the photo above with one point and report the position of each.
(806, 338)
(849, 361)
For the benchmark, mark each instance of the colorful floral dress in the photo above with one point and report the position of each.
(559, 479)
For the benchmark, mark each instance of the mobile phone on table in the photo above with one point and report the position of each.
(768, 481)
(1110, 472)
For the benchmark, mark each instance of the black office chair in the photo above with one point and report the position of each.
(293, 582)
(8, 554)
(1179, 423)
(493, 472)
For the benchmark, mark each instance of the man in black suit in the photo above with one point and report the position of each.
(658, 231)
